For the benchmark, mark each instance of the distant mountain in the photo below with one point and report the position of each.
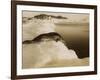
(45, 16)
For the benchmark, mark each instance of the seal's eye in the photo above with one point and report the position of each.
(56, 38)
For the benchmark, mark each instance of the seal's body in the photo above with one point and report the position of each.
(45, 37)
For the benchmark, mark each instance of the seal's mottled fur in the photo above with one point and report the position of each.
(45, 37)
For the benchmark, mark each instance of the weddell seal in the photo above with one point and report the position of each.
(46, 37)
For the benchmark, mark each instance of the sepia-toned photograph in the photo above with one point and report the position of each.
(54, 39)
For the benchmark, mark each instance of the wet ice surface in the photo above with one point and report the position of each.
(47, 53)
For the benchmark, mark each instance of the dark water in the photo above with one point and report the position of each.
(76, 37)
